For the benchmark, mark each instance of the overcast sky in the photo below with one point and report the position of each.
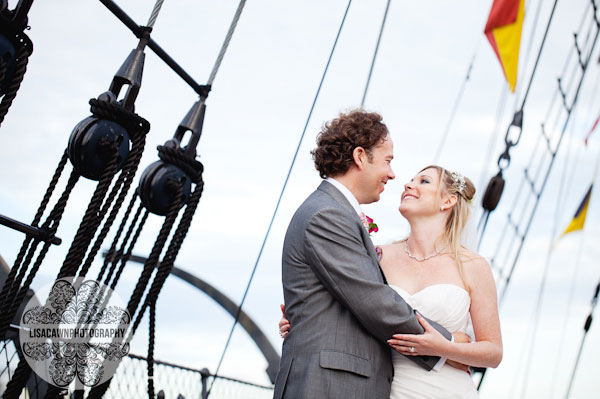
(255, 115)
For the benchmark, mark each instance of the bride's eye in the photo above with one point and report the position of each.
(424, 181)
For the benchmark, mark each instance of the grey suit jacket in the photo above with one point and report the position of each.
(340, 310)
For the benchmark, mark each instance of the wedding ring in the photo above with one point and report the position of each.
(412, 349)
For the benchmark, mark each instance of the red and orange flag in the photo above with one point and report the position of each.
(503, 30)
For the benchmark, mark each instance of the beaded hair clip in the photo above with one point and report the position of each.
(458, 182)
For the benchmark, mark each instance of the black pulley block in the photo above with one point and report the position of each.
(92, 146)
(157, 188)
(493, 192)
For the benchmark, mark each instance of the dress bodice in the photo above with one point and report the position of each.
(448, 305)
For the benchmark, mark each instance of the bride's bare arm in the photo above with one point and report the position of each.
(486, 351)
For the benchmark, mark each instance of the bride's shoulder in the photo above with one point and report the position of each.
(475, 265)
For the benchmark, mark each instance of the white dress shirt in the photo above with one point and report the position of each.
(354, 202)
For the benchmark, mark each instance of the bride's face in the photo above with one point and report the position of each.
(421, 195)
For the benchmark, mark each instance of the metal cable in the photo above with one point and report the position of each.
(282, 191)
(537, 60)
(155, 12)
(234, 22)
(455, 108)
(385, 14)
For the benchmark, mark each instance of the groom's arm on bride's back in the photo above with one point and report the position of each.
(340, 260)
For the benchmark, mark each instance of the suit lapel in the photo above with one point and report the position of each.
(341, 199)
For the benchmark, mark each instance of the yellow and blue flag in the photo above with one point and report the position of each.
(578, 220)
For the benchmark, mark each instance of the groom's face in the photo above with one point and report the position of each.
(377, 171)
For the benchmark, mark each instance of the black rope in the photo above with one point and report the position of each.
(385, 14)
(111, 257)
(15, 297)
(123, 184)
(150, 360)
(22, 58)
(281, 194)
(127, 255)
(17, 382)
(91, 220)
(176, 156)
(159, 244)
(149, 266)
(165, 267)
(10, 283)
(137, 127)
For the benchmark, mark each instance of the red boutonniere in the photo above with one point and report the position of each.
(369, 224)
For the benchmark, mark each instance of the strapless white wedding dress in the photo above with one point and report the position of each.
(448, 305)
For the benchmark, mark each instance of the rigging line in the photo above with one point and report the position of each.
(537, 60)
(225, 45)
(461, 91)
(282, 191)
(580, 351)
(588, 321)
(565, 69)
(529, 46)
(575, 271)
(540, 295)
(490, 147)
(385, 14)
(566, 123)
(155, 12)
(568, 314)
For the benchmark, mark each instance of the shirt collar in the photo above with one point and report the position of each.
(347, 193)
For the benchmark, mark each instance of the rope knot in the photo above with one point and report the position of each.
(177, 157)
(132, 122)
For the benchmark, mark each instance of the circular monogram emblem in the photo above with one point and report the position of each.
(75, 331)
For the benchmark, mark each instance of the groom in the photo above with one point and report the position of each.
(340, 309)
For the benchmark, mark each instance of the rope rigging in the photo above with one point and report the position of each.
(528, 358)
(575, 271)
(550, 140)
(496, 186)
(281, 193)
(164, 188)
(116, 167)
(98, 149)
(15, 49)
(586, 329)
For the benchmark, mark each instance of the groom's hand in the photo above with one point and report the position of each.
(462, 338)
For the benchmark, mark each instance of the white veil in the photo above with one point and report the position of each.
(468, 237)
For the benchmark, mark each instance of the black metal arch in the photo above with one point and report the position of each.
(246, 322)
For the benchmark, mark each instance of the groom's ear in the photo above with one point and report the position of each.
(360, 157)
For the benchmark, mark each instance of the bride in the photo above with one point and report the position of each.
(444, 282)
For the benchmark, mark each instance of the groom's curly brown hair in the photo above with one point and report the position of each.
(339, 137)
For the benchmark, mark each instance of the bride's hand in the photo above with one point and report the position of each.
(284, 324)
(431, 343)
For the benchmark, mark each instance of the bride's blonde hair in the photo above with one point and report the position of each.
(464, 190)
